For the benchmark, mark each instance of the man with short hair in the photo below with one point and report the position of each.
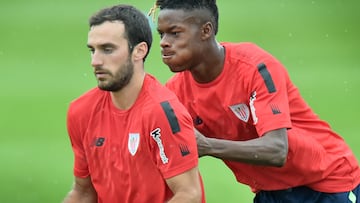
(249, 113)
(133, 141)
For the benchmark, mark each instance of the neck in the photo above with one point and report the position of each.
(212, 64)
(126, 97)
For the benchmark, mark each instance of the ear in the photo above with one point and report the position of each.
(140, 51)
(207, 30)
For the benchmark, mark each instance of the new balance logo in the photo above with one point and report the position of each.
(99, 141)
(197, 120)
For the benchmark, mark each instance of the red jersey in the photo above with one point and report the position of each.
(129, 153)
(254, 95)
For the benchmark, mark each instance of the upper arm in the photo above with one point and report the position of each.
(82, 191)
(172, 140)
(269, 97)
(76, 132)
(186, 186)
(84, 185)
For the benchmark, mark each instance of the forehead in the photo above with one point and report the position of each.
(178, 18)
(107, 32)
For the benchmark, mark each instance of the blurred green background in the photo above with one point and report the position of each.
(45, 64)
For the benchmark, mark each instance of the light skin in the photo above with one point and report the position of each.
(115, 69)
(122, 73)
(188, 44)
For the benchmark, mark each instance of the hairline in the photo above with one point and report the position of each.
(198, 15)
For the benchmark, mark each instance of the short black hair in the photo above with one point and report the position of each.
(190, 5)
(137, 27)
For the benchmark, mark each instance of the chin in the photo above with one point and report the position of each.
(176, 68)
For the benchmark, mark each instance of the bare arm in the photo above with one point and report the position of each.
(270, 150)
(82, 192)
(186, 187)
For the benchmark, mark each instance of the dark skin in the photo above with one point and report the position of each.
(188, 43)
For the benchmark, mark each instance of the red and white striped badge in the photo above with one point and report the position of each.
(241, 111)
(133, 142)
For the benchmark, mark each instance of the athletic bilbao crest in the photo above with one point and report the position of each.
(133, 142)
(241, 111)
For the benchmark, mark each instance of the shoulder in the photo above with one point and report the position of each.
(180, 83)
(248, 53)
(249, 58)
(243, 48)
(175, 81)
(83, 105)
(156, 91)
(161, 98)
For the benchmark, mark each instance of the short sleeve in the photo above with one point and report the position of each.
(75, 135)
(269, 102)
(172, 141)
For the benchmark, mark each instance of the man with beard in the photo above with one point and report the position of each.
(133, 141)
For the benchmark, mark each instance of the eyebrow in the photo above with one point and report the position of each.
(102, 45)
(171, 28)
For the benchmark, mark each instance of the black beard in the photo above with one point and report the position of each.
(120, 79)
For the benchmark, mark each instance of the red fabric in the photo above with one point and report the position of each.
(100, 136)
(318, 157)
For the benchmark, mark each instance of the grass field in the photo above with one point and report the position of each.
(45, 64)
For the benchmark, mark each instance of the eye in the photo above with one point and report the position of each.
(161, 34)
(108, 50)
(91, 50)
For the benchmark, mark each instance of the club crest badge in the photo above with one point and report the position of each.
(241, 111)
(133, 143)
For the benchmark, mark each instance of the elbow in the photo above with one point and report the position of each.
(281, 154)
(196, 196)
(280, 160)
(281, 148)
(191, 195)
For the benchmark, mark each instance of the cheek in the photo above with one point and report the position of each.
(183, 50)
(184, 55)
(181, 61)
(116, 60)
(188, 52)
(183, 44)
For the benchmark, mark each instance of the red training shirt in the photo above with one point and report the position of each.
(254, 95)
(129, 153)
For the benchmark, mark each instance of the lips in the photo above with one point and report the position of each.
(167, 54)
(100, 73)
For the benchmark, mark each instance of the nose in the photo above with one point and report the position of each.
(96, 60)
(164, 42)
